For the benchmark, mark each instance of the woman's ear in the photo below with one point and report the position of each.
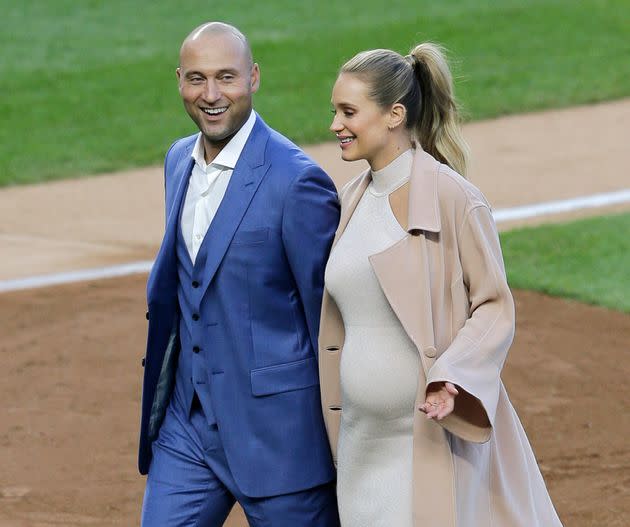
(397, 116)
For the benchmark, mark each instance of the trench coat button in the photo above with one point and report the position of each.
(430, 352)
(147, 315)
(195, 349)
(195, 317)
(195, 284)
(143, 361)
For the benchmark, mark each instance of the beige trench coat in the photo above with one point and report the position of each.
(446, 283)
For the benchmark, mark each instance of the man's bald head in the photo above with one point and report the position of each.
(213, 29)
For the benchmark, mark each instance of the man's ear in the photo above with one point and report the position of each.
(255, 78)
(178, 74)
(397, 115)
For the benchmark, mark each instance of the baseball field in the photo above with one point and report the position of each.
(90, 106)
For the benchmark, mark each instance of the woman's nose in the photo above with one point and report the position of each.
(335, 126)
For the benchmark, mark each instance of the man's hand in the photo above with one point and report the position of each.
(440, 400)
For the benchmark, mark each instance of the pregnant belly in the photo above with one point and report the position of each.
(380, 369)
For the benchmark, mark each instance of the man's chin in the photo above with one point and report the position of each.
(217, 135)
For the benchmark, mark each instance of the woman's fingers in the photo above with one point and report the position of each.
(431, 408)
(438, 406)
(441, 402)
(446, 409)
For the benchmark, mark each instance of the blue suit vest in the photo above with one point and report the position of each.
(192, 374)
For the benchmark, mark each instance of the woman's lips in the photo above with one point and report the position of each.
(346, 141)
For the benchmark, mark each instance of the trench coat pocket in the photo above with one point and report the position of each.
(284, 377)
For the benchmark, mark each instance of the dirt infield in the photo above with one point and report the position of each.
(71, 385)
(70, 355)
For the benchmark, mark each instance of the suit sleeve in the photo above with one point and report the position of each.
(310, 218)
(475, 358)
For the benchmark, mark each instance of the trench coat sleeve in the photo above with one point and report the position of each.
(474, 359)
(310, 218)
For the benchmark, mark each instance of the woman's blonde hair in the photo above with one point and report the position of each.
(423, 83)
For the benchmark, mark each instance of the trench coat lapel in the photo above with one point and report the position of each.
(246, 178)
(350, 202)
(403, 270)
(424, 207)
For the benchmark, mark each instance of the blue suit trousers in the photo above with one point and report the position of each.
(190, 484)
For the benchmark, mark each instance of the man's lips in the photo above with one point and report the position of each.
(214, 113)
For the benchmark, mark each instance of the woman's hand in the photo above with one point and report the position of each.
(440, 400)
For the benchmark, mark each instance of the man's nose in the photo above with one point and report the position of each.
(212, 93)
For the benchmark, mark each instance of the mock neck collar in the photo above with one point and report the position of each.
(392, 176)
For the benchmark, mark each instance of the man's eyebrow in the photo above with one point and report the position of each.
(193, 73)
(232, 71)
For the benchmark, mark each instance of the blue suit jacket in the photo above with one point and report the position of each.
(262, 289)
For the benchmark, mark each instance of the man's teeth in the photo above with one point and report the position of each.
(346, 139)
(214, 111)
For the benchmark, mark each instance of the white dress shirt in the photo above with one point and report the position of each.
(207, 186)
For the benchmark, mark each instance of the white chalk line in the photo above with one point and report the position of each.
(500, 215)
(33, 282)
(561, 206)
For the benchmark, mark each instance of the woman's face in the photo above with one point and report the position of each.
(359, 123)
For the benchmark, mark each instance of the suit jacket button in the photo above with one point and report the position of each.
(430, 352)
(147, 315)
(195, 317)
(143, 362)
(195, 284)
(195, 349)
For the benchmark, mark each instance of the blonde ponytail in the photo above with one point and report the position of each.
(438, 126)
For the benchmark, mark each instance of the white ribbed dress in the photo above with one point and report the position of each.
(379, 367)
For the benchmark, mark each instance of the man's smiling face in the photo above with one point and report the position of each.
(216, 82)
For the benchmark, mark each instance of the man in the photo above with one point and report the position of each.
(230, 406)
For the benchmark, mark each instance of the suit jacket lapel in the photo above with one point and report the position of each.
(246, 178)
(165, 266)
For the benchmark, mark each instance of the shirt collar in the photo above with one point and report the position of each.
(229, 154)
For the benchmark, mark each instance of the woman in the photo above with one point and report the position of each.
(417, 316)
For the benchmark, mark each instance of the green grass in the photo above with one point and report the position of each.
(586, 260)
(89, 86)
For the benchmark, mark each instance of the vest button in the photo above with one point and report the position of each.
(147, 315)
(195, 284)
(195, 349)
(195, 317)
